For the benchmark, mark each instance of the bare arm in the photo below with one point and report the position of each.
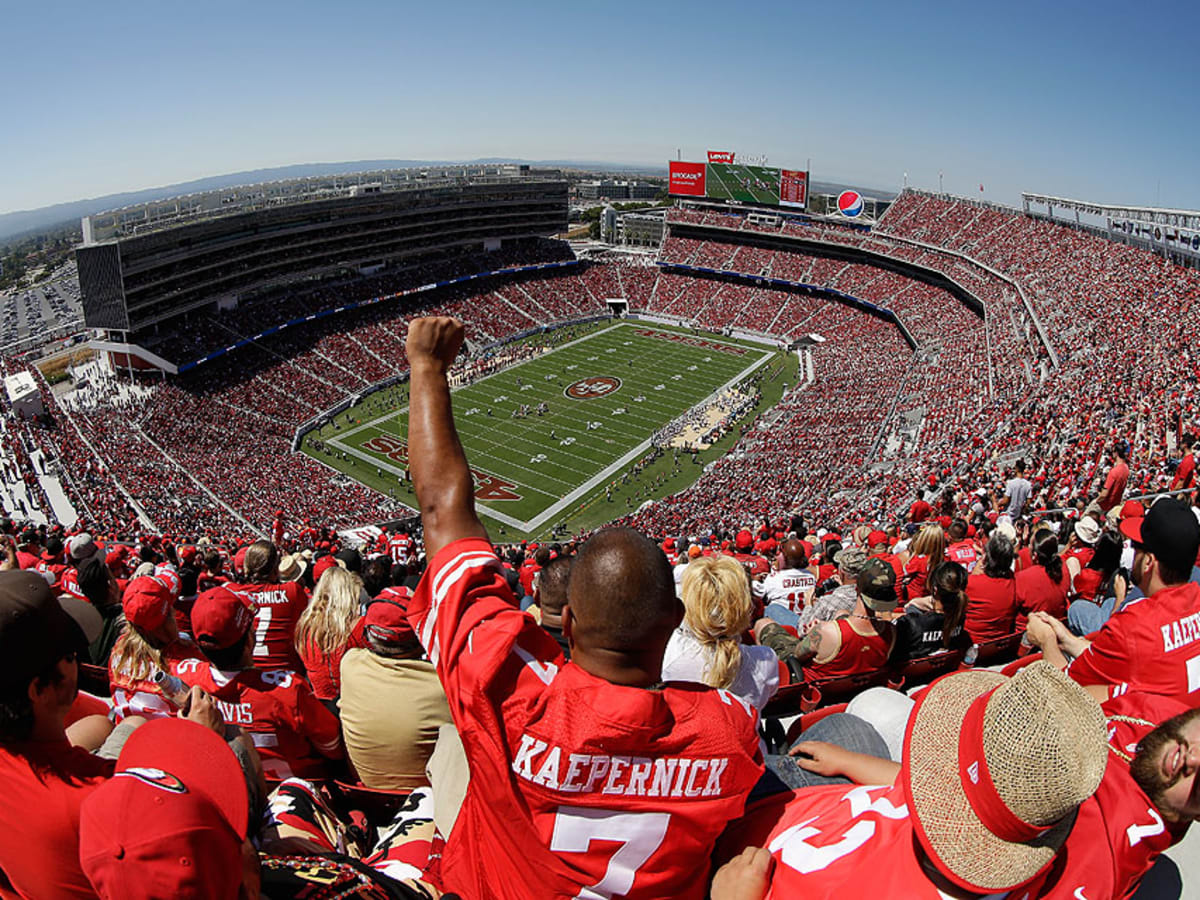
(830, 759)
(819, 644)
(441, 478)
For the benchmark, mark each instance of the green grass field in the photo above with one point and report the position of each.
(749, 184)
(607, 393)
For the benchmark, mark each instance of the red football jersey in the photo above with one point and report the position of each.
(579, 787)
(1152, 644)
(139, 696)
(400, 548)
(291, 728)
(1117, 836)
(964, 553)
(279, 609)
(835, 842)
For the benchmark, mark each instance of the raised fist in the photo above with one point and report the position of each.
(434, 340)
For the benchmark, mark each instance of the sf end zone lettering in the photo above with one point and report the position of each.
(487, 486)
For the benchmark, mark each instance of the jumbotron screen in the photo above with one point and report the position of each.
(733, 181)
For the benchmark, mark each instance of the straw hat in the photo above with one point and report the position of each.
(995, 768)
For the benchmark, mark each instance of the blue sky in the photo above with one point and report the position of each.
(1096, 101)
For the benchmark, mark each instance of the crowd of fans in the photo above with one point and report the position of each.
(424, 714)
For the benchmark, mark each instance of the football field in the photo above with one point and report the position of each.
(602, 397)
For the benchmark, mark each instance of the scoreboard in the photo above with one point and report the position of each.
(724, 178)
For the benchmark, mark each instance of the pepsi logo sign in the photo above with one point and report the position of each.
(850, 204)
(591, 388)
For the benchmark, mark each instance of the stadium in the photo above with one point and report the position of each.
(765, 378)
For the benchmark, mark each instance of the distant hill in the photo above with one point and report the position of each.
(15, 224)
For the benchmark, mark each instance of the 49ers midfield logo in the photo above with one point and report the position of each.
(591, 388)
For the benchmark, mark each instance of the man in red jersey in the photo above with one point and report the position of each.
(1151, 644)
(291, 728)
(589, 777)
(920, 509)
(1141, 807)
(1185, 472)
(994, 771)
(400, 546)
(743, 546)
(279, 606)
(959, 547)
(1117, 478)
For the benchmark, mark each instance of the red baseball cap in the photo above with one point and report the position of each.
(171, 820)
(387, 617)
(147, 602)
(744, 540)
(322, 565)
(239, 560)
(220, 617)
(877, 537)
(1132, 509)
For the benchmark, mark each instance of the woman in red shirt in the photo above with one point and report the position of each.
(1044, 585)
(324, 629)
(928, 549)
(992, 593)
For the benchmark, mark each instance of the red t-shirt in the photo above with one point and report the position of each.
(279, 609)
(1037, 591)
(579, 787)
(964, 553)
(324, 669)
(1151, 644)
(525, 576)
(1114, 485)
(991, 607)
(915, 580)
(45, 783)
(919, 511)
(1185, 474)
(291, 728)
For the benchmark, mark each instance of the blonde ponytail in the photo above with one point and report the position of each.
(716, 600)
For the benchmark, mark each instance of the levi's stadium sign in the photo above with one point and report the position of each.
(720, 156)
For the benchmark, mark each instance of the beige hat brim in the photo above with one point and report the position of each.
(949, 830)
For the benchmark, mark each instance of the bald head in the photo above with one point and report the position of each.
(794, 556)
(622, 594)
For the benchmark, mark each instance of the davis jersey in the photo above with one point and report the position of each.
(291, 728)
(789, 588)
(279, 607)
(579, 787)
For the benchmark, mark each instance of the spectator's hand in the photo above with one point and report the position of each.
(434, 340)
(202, 709)
(819, 757)
(745, 877)
(924, 604)
(1040, 632)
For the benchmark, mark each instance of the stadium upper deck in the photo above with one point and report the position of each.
(141, 266)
